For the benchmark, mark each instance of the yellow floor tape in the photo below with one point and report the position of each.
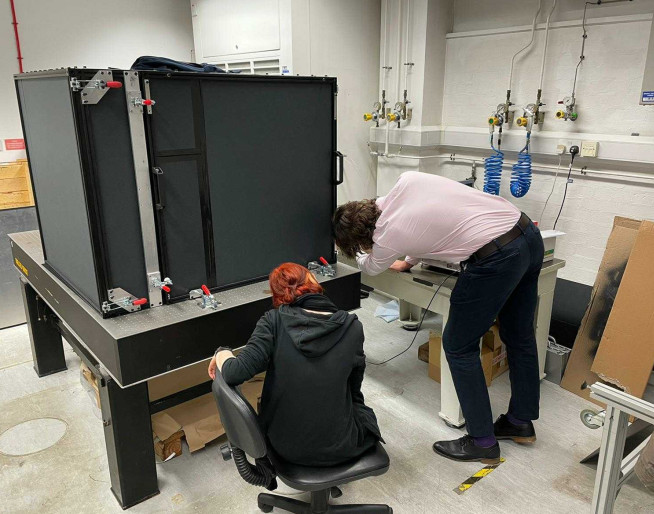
(477, 477)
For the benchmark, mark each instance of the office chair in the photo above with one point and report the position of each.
(245, 438)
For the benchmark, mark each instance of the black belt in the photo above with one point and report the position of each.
(503, 240)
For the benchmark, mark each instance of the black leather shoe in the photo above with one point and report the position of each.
(523, 434)
(466, 450)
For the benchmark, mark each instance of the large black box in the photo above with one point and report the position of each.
(205, 178)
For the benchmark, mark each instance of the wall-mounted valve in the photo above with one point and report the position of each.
(527, 118)
(569, 112)
(375, 115)
(399, 113)
(164, 284)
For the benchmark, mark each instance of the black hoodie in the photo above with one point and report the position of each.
(312, 408)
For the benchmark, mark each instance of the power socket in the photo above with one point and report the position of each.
(560, 149)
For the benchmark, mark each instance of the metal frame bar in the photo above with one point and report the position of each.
(619, 406)
(144, 189)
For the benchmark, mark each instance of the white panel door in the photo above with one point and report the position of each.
(228, 27)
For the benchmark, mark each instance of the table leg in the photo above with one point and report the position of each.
(128, 437)
(450, 407)
(610, 460)
(47, 345)
(542, 321)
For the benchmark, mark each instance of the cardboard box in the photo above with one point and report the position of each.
(435, 343)
(578, 374)
(500, 362)
(90, 379)
(435, 356)
(423, 352)
(170, 448)
(15, 185)
(492, 339)
(626, 352)
(198, 418)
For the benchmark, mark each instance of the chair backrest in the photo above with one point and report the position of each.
(239, 419)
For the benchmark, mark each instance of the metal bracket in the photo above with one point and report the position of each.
(93, 90)
(148, 107)
(121, 299)
(206, 300)
(326, 270)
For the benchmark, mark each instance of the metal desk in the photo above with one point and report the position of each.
(124, 352)
(612, 469)
(416, 288)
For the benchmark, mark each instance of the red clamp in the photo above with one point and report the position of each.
(114, 84)
(140, 301)
(324, 261)
(205, 290)
(147, 101)
(165, 288)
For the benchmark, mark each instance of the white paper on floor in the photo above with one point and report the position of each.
(389, 311)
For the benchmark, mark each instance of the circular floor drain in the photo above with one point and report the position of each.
(32, 436)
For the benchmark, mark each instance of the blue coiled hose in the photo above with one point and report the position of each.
(493, 165)
(521, 172)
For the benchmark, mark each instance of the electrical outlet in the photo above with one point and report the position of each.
(560, 149)
(567, 143)
(589, 148)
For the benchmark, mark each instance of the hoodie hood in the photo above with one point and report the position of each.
(314, 334)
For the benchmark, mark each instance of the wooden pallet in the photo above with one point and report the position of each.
(15, 185)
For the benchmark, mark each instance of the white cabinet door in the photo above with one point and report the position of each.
(229, 27)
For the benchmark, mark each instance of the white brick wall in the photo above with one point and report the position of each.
(608, 91)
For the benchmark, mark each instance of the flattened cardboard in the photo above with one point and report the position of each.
(626, 353)
(578, 374)
(197, 418)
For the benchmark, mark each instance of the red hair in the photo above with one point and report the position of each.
(290, 281)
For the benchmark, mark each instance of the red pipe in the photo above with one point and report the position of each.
(15, 24)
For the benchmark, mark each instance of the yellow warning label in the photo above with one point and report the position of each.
(22, 268)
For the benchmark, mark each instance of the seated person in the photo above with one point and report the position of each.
(312, 409)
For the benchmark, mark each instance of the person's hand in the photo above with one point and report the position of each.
(212, 368)
(401, 266)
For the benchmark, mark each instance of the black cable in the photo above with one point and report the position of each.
(574, 150)
(419, 325)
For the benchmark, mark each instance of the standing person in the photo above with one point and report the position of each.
(312, 407)
(426, 217)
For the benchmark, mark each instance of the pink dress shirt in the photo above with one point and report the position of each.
(428, 217)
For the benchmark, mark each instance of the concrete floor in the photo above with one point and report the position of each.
(72, 475)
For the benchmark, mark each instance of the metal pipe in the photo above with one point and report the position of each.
(547, 31)
(406, 47)
(399, 47)
(533, 31)
(14, 22)
(454, 158)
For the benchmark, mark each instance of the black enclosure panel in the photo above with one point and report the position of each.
(56, 170)
(172, 117)
(270, 156)
(181, 223)
(112, 169)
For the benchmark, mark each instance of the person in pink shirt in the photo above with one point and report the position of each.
(427, 217)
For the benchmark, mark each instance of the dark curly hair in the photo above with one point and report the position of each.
(354, 224)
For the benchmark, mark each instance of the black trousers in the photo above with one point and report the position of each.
(502, 286)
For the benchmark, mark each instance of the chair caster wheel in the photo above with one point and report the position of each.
(265, 508)
(336, 492)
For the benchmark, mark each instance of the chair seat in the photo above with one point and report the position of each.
(373, 462)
